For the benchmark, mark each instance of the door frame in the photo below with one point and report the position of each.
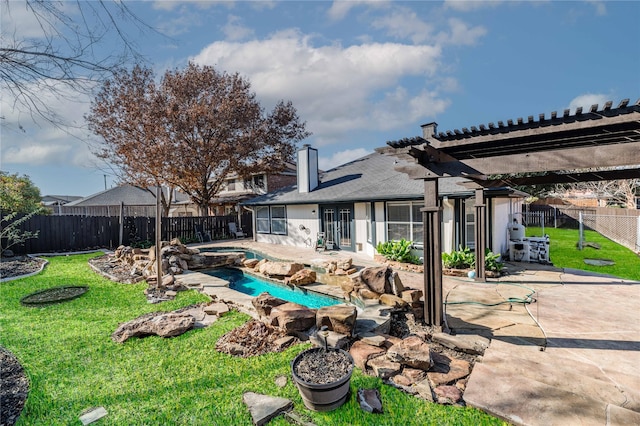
(336, 222)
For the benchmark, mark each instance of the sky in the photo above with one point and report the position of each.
(360, 73)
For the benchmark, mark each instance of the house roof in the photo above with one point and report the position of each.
(49, 200)
(370, 178)
(127, 194)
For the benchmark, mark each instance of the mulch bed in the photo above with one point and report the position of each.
(14, 387)
(19, 265)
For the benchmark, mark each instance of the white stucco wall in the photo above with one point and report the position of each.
(297, 215)
(503, 211)
(448, 225)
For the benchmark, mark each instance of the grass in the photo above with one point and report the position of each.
(564, 253)
(73, 364)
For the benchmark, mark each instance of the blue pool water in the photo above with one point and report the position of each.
(253, 286)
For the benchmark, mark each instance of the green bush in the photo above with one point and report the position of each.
(464, 258)
(398, 251)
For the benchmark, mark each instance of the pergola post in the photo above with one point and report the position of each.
(481, 234)
(431, 219)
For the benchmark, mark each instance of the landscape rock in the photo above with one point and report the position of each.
(396, 284)
(303, 277)
(263, 408)
(373, 339)
(393, 301)
(218, 309)
(250, 263)
(362, 353)
(265, 302)
(377, 279)
(334, 340)
(281, 269)
(468, 343)
(411, 351)
(259, 265)
(447, 394)
(411, 295)
(344, 264)
(384, 368)
(369, 400)
(162, 324)
(410, 376)
(446, 370)
(292, 317)
(424, 390)
(338, 318)
(253, 338)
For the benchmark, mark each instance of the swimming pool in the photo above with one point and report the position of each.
(248, 254)
(254, 286)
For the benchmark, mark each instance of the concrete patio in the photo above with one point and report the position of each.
(571, 357)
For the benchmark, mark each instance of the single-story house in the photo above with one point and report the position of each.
(134, 201)
(367, 201)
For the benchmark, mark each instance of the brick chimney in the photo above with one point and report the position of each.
(307, 169)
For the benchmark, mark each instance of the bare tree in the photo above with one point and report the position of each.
(620, 192)
(56, 49)
(192, 130)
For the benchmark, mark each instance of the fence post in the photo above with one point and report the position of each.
(158, 239)
(121, 231)
(580, 230)
(638, 235)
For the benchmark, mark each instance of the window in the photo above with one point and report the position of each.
(231, 185)
(271, 220)
(262, 220)
(278, 220)
(404, 220)
(469, 223)
(258, 181)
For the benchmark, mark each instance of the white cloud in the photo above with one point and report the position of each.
(600, 7)
(336, 89)
(461, 34)
(14, 13)
(34, 141)
(234, 30)
(404, 23)
(341, 8)
(471, 5)
(341, 157)
(585, 101)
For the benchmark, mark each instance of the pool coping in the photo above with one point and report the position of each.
(371, 317)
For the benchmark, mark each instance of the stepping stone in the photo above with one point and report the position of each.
(93, 415)
(218, 309)
(263, 408)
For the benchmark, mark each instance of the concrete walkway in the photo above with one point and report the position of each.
(571, 357)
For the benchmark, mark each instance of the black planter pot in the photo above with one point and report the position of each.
(326, 396)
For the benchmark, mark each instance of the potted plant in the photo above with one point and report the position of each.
(323, 377)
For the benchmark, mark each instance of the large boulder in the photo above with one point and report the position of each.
(163, 324)
(412, 351)
(282, 269)
(338, 318)
(377, 279)
(265, 302)
(208, 260)
(393, 301)
(302, 277)
(292, 317)
(362, 353)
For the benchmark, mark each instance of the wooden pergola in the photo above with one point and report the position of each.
(607, 137)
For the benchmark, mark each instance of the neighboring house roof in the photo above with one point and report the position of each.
(50, 200)
(127, 194)
(370, 178)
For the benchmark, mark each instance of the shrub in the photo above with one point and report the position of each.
(464, 258)
(398, 251)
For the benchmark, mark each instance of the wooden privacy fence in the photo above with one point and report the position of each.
(77, 233)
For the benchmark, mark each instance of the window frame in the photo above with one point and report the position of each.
(275, 216)
(411, 224)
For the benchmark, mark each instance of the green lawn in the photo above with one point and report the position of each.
(564, 252)
(73, 364)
